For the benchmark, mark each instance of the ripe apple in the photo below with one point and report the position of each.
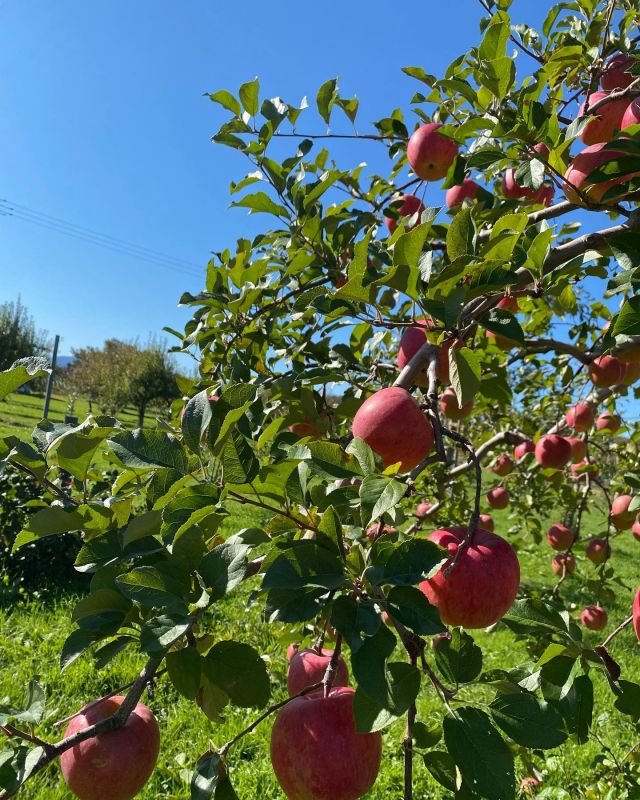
(559, 536)
(503, 466)
(621, 517)
(594, 618)
(522, 449)
(598, 550)
(316, 752)
(632, 115)
(422, 509)
(563, 563)
(615, 75)
(608, 422)
(114, 764)
(457, 194)
(292, 650)
(635, 529)
(606, 371)
(585, 467)
(308, 666)
(580, 417)
(578, 449)
(607, 119)
(412, 340)
(553, 451)
(512, 190)
(406, 205)
(373, 531)
(429, 153)
(580, 169)
(509, 303)
(486, 522)
(498, 497)
(393, 425)
(631, 373)
(483, 584)
(636, 613)
(450, 408)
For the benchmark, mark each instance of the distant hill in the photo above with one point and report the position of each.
(64, 361)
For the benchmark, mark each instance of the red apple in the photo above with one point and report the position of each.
(598, 550)
(608, 422)
(563, 563)
(114, 765)
(635, 529)
(412, 340)
(512, 190)
(631, 373)
(457, 194)
(553, 451)
(522, 449)
(559, 537)
(486, 521)
(503, 466)
(621, 517)
(529, 785)
(483, 584)
(585, 467)
(578, 175)
(406, 205)
(422, 509)
(636, 613)
(632, 115)
(615, 75)
(498, 497)
(509, 303)
(373, 531)
(578, 449)
(606, 371)
(607, 119)
(316, 752)
(307, 667)
(450, 408)
(594, 618)
(292, 650)
(392, 424)
(580, 417)
(429, 153)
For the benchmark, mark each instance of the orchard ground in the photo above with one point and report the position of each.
(32, 634)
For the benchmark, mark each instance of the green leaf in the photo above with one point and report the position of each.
(379, 494)
(533, 614)
(494, 41)
(628, 699)
(364, 455)
(465, 372)
(409, 606)
(196, 418)
(442, 768)
(225, 566)
(303, 565)
(189, 507)
(161, 632)
(76, 644)
(238, 670)
(184, 670)
(528, 721)
(503, 323)
(354, 619)
(326, 98)
(370, 716)
(261, 203)
(409, 562)
(240, 466)
(149, 449)
(459, 659)
(226, 100)
(480, 753)
(330, 525)
(208, 778)
(461, 235)
(22, 371)
(249, 97)
(628, 320)
(152, 589)
(48, 522)
(577, 708)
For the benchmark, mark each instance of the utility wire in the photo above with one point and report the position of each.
(49, 222)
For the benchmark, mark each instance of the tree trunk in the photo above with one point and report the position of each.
(141, 409)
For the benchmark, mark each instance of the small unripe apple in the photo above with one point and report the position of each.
(522, 449)
(585, 467)
(594, 618)
(498, 497)
(580, 417)
(450, 407)
(422, 509)
(559, 537)
(455, 196)
(579, 172)
(307, 667)
(373, 532)
(509, 303)
(482, 586)
(635, 612)
(503, 466)
(607, 118)
(114, 764)
(316, 752)
(608, 422)
(598, 550)
(632, 115)
(486, 521)
(615, 74)
(606, 371)
(429, 153)
(563, 563)
(621, 517)
(553, 451)
(578, 449)
(406, 205)
(393, 425)
(635, 529)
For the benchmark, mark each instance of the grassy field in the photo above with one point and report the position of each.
(32, 633)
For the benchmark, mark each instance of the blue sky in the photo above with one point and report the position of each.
(103, 124)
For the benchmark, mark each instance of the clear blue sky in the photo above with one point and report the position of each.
(103, 124)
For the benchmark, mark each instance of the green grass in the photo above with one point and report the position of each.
(31, 636)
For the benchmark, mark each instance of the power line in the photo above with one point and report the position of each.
(121, 246)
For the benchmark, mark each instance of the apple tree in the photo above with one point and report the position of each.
(373, 360)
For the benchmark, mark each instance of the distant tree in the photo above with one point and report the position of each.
(154, 379)
(18, 334)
